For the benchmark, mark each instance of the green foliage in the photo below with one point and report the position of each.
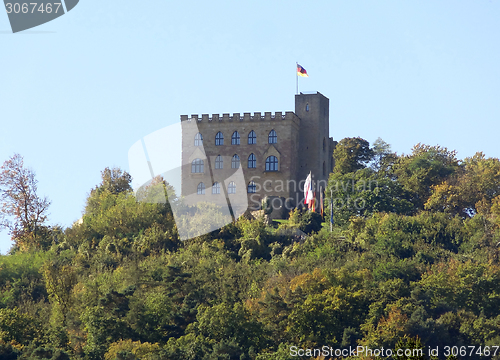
(204, 218)
(16, 326)
(59, 281)
(20, 278)
(128, 349)
(468, 286)
(427, 166)
(266, 206)
(283, 353)
(411, 347)
(229, 322)
(115, 181)
(305, 221)
(255, 239)
(364, 192)
(120, 215)
(383, 158)
(351, 154)
(120, 284)
(7, 351)
(471, 190)
(34, 352)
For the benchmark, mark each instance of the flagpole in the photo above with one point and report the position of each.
(331, 210)
(297, 76)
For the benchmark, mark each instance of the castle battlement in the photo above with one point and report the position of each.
(267, 149)
(257, 116)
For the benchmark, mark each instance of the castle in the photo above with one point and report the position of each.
(243, 159)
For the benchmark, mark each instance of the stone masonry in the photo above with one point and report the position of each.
(301, 145)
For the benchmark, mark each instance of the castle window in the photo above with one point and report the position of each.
(307, 107)
(235, 162)
(252, 161)
(216, 188)
(235, 138)
(198, 140)
(201, 189)
(252, 138)
(219, 139)
(272, 163)
(197, 166)
(252, 188)
(273, 137)
(219, 163)
(231, 189)
(324, 168)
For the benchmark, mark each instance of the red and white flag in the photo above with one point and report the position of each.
(308, 190)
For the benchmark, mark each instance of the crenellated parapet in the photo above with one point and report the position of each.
(237, 117)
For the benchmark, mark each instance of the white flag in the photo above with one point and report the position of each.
(308, 193)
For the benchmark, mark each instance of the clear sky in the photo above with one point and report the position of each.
(78, 92)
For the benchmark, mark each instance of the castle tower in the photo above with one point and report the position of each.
(315, 145)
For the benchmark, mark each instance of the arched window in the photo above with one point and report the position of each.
(252, 188)
(219, 139)
(235, 162)
(272, 163)
(273, 137)
(197, 166)
(252, 138)
(252, 161)
(324, 168)
(307, 107)
(235, 138)
(219, 163)
(201, 189)
(231, 189)
(198, 140)
(216, 188)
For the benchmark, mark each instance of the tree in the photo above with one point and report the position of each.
(134, 349)
(425, 167)
(383, 157)
(470, 190)
(351, 154)
(306, 221)
(364, 192)
(115, 180)
(17, 326)
(59, 281)
(411, 348)
(22, 211)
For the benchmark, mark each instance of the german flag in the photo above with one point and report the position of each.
(301, 71)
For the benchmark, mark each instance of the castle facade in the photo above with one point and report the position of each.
(240, 160)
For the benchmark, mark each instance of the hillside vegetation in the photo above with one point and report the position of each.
(413, 259)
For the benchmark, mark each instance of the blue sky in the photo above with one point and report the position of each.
(78, 92)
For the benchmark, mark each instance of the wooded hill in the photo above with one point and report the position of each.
(413, 260)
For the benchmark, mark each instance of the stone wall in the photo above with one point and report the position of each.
(302, 146)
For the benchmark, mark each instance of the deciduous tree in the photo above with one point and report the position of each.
(22, 211)
(352, 154)
(425, 167)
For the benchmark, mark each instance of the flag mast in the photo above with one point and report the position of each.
(297, 76)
